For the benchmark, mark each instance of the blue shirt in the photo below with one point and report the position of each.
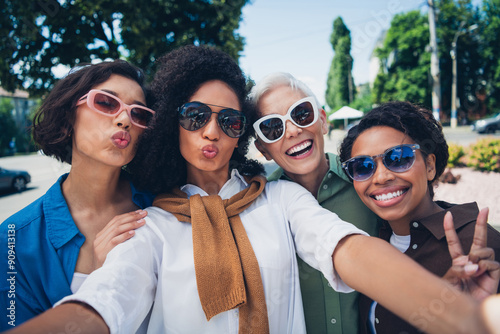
(39, 246)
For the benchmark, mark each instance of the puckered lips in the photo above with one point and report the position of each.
(301, 149)
(389, 196)
(121, 139)
(209, 151)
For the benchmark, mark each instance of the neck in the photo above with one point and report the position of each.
(426, 208)
(312, 181)
(211, 182)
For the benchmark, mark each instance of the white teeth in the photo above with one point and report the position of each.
(299, 148)
(386, 197)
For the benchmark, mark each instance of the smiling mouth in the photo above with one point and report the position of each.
(389, 196)
(300, 149)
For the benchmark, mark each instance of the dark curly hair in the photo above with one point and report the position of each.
(53, 122)
(416, 122)
(159, 165)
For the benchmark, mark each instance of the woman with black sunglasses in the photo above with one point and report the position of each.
(394, 157)
(92, 120)
(217, 254)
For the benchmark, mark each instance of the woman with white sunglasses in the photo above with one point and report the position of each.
(92, 119)
(291, 131)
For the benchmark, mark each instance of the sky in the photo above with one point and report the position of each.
(294, 36)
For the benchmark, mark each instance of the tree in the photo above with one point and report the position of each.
(38, 35)
(491, 52)
(7, 124)
(340, 89)
(405, 63)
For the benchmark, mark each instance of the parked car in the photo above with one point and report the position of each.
(14, 179)
(487, 125)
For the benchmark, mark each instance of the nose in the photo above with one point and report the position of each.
(381, 175)
(123, 119)
(291, 130)
(211, 129)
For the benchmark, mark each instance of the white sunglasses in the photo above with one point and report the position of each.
(302, 114)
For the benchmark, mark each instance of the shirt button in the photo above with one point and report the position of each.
(325, 187)
(415, 224)
(329, 175)
(377, 321)
(329, 285)
(414, 246)
(333, 321)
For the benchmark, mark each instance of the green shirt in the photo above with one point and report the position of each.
(325, 310)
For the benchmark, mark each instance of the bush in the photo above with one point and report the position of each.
(456, 153)
(484, 155)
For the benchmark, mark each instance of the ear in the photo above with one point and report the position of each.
(323, 120)
(430, 165)
(262, 149)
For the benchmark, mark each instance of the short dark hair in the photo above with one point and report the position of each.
(415, 121)
(159, 165)
(53, 122)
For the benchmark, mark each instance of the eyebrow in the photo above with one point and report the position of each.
(114, 93)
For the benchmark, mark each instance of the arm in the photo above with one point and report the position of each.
(66, 318)
(376, 269)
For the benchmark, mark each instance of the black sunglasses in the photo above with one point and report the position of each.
(195, 115)
(397, 159)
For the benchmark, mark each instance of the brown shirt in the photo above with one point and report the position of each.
(428, 247)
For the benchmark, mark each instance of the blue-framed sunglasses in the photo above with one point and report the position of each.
(397, 159)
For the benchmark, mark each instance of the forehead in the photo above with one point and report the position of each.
(378, 139)
(216, 92)
(278, 100)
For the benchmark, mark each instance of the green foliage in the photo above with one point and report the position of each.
(456, 153)
(340, 89)
(35, 36)
(363, 101)
(404, 62)
(484, 155)
(7, 124)
(489, 38)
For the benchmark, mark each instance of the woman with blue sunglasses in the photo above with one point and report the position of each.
(92, 120)
(394, 157)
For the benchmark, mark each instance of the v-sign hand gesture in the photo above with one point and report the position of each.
(476, 273)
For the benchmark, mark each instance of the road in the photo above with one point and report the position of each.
(45, 171)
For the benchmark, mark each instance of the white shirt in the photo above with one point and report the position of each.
(157, 264)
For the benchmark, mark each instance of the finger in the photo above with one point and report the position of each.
(492, 267)
(122, 219)
(454, 246)
(113, 231)
(481, 230)
(477, 255)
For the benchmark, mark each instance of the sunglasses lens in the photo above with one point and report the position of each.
(272, 128)
(361, 168)
(194, 116)
(141, 116)
(303, 114)
(232, 122)
(105, 103)
(399, 159)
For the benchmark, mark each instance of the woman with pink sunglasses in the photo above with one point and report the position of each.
(92, 119)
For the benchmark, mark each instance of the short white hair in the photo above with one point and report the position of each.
(276, 79)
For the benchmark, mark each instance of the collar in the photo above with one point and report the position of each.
(335, 167)
(60, 225)
(463, 214)
(234, 185)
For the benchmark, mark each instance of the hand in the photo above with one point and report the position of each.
(490, 311)
(476, 273)
(119, 229)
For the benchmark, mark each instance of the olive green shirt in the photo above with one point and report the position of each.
(325, 310)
